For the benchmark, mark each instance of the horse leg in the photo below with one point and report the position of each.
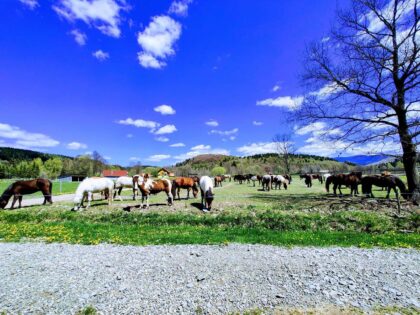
(188, 193)
(20, 201)
(89, 198)
(14, 201)
(178, 190)
(170, 197)
(389, 191)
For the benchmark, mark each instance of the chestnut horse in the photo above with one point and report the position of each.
(218, 181)
(389, 182)
(26, 187)
(148, 186)
(187, 183)
(351, 180)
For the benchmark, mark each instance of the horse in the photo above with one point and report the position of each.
(266, 182)
(228, 176)
(136, 180)
(325, 176)
(207, 195)
(92, 185)
(288, 177)
(239, 178)
(26, 187)
(351, 180)
(389, 182)
(187, 183)
(308, 179)
(148, 186)
(124, 182)
(254, 179)
(218, 181)
(318, 177)
(279, 180)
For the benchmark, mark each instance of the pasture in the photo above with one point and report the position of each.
(299, 216)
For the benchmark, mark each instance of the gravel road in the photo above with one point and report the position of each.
(61, 279)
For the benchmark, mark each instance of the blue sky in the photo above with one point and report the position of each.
(79, 75)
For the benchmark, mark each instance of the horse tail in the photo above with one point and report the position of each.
(400, 185)
(173, 187)
(328, 183)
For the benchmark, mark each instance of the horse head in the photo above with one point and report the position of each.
(209, 196)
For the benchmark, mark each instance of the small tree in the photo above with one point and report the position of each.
(53, 167)
(218, 170)
(284, 148)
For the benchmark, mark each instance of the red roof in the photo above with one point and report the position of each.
(114, 173)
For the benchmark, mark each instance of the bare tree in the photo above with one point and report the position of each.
(284, 148)
(366, 81)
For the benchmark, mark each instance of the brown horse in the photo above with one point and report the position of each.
(149, 186)
(218, 181)
(187, 183)
(351, 180)
(308, 179)
(318, 177)
(266, 182)
(389, 182)
(288, 177)
(26, 187)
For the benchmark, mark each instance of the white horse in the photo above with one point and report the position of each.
(254, 179)
(206, 187)
(280, 180)
(92, 185)
(124, 182)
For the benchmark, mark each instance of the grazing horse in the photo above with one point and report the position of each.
(389, 182)
(124, 182)
(266, 182)
(218, 181)
(187, 183)
(318, 177)
(239, 178)
(207, 195)
(228, 176)
(351, 180)
(136, 180)
(148, 186)
(280, 180)
(92, 185)
(26, 187)
(288, 177)
(308, 179)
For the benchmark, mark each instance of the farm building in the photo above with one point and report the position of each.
(71, 178)
(113, 174)
(164, 172)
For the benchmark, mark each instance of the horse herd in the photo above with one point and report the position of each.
(147, 186)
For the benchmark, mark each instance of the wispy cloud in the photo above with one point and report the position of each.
(224, 133)
(100, 55)
(165, 110)
(79, 37)
(167, 129)
(212, 123)
(257, 148)
(158, 157)
(157, 41)
(177, 145)
(201, 147)
(105, 15)
(275, 88)
(162, 139)
(291, 103)
(76, 146)
(31, 4)
(139, 123)
(179, 7)
(257, 123)
(26, 139)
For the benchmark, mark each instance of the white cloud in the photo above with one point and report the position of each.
(291, 103)
(158, 157)
(134, 159)
(212, 123)
(31, 4)
(327, 90)
(76, 146)
(201, 147)
(100, 55)
(177, 145)
(275, 88)
(139, 123)
(257, 123)
(24, 139)
(157, 41)
(165, 130)
(79, 37)
(129, 135)
(224, 133)
(106, 157)
(162, 139)
(102, 14)
(257, 148)
(179, 7)
(165, 110)
(316, 126)
(325, 39)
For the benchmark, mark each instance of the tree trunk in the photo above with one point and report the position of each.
(409, 158)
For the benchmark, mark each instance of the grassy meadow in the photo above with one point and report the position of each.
(299, 216)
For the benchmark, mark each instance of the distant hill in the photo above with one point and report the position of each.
(14, 155)
(366, 159)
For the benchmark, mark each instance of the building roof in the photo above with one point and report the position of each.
(114, 173)
(164, 170)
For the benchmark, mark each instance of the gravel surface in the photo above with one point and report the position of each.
(62, 279)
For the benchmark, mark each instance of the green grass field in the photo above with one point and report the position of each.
(299, 216)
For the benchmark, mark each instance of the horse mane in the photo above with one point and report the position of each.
(328, 182)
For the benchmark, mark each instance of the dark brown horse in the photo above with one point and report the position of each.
(318, 177)
(351, 180)
(218, 181)
(308, 179)
(187, 183)
(26, 187)
(389, 182)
